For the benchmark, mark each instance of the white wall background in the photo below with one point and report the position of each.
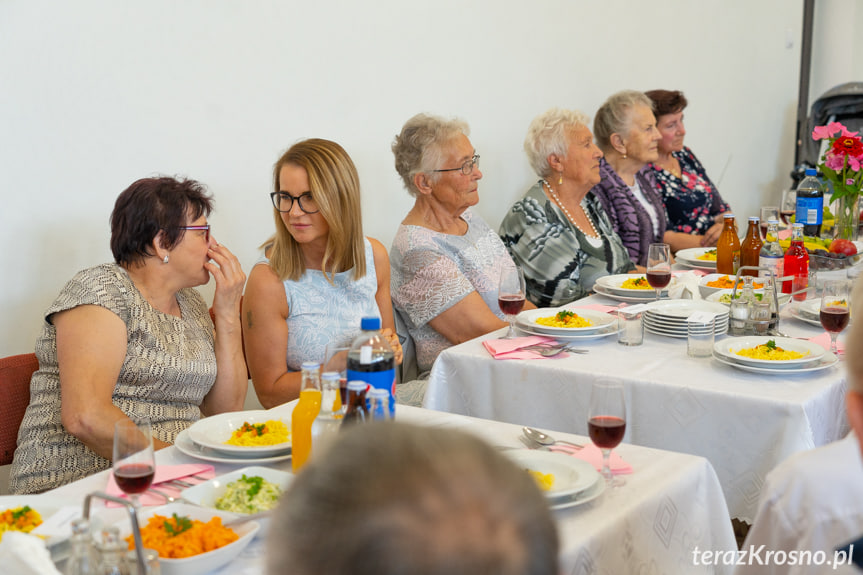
(97, 93)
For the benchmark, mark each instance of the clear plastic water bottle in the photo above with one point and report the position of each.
(371, 359)
(378, 401)
(810, 204)
(772, 256)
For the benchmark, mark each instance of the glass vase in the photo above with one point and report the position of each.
(847, 218)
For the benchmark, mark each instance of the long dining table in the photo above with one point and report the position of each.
(670, 506)
(743, 423)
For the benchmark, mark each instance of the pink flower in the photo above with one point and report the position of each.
(849, 182)
(822, 132)
(855, 163)
(834, 162)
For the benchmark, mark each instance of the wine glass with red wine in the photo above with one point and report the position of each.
(607, 422)
(658, 267)
(510, 295)
(134, 462)
(835, 309)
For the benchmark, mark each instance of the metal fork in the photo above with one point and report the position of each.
(167, 497)
(548, 351)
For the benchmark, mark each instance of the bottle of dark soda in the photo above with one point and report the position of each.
(356, 410)
(810, 204)
(371, 359)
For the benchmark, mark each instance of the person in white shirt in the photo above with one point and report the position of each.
(812, 503)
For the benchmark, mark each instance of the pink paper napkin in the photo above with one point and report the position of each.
(824, 341)
(511, 348)
(164, 473)
(696, 272)
(783, 234)
(593, 455)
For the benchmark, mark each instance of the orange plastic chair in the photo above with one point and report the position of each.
(15, 374)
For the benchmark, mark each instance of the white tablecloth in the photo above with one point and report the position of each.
(744, 423)
(670, 505)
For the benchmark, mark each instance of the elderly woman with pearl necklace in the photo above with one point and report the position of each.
(558, 232)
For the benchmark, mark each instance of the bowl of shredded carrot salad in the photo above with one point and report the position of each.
(190, 540)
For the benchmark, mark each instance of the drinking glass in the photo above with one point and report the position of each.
(788, 206)
(835, 309)
(767, 213)
(607, 422)
(134, 463)
(510, 295)
(658, 267)
(336, 359)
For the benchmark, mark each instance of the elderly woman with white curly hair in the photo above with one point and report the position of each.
(445, 259)
(558, 232)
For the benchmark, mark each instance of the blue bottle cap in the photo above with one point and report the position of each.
(370, 323)
(811, 171)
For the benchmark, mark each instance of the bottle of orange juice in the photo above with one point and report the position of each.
(304, 414)
(728, 247)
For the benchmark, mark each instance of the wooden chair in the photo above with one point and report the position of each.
(15, 374)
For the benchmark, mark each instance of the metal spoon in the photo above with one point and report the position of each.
(544, 438)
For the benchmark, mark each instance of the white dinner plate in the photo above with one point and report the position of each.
(675, 321)
(203, 562)
(728, 349)
(679, 333)
(571, 475)
(598, 319)
(795, 313)
(608, 293)
(614, 285)
(608, 330)
(212, 433)
(689, 257)
(185, 444)
(585, 496)
(827, 360)
(683, 308)
(46, 506)
(810, 308)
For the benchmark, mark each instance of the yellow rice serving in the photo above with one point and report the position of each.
(771, 352)
(708, 256)
(639, 282)
(24, 519)
(545, 481)
(270, 432)
(564, 318)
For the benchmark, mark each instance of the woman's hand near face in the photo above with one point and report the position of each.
(91, 349)
(229, 391)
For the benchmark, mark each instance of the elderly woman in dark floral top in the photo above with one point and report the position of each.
(558, 232)
(692, 202)
(626, 131)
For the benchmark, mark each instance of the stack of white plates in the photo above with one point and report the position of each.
(808, 311)
(602, 324)
(689, 258)
(206, 438)
(612, 286)
(575, 481)
(668, 317)
(814, 357)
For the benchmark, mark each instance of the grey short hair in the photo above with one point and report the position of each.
(547, 134)
(392, 498)
(614, 116)
(854, 343)
(419, 148)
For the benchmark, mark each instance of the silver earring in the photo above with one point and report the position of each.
(165, 260)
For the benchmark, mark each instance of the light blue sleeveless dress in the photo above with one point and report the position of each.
(320, 313)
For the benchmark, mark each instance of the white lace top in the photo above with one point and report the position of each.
(432, 271)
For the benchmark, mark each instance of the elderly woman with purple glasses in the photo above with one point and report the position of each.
(134, 340)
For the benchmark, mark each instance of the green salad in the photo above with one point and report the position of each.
(726, 297)
(249, 495)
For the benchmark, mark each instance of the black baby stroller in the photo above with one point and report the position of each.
(843, 103)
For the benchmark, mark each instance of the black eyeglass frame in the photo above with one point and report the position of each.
(275, 195)
(466, 168)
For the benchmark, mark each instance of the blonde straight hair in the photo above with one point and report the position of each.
(335, 187)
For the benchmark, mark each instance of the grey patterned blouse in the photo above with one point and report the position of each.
(170, 366)
(559, 264)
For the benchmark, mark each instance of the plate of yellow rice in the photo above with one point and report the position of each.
(633, 285)
(243, 434)
(769, 352)
(558, 475)
(564, 320)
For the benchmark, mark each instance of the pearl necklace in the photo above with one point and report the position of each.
(556, 199)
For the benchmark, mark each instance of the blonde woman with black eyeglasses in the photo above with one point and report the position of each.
(319, 275)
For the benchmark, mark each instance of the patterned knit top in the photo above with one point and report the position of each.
(170, 366)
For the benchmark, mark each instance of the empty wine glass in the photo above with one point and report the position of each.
(510, 295)
(788, 206)
(658, 267)
(607, 422)
(134, 463)
(835, 309)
